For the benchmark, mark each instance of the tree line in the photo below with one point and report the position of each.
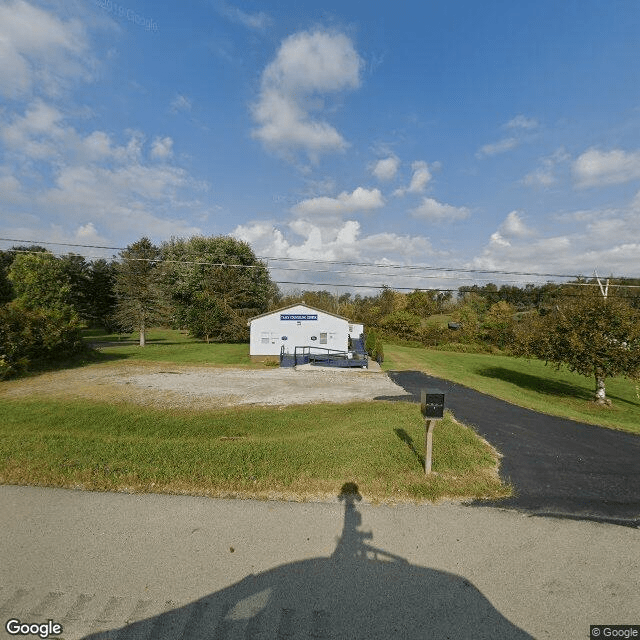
(211, 286)
(207, 285)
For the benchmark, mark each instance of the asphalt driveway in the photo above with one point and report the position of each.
(557, 466)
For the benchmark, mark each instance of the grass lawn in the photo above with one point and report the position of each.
(528, 383)
(304, 452)
(169, 345)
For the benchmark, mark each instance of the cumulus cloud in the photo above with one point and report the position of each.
(304, 239)
(307, 65)
(359, 200)
(386, 168)
(595, 168)
(419, 180)
(514, 227)
(162, 148)
(431, 209)
(601, 238)
(72, 176)
(39, 51)
(494, 148)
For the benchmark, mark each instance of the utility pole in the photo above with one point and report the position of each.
(604, 290)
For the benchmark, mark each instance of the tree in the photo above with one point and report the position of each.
(6, 290)
(77, 270)
(402, 324)
(100, 294)
(33, 334)
(498, 324)
(422, 303)
(40, 280)
(217, 283)
(139, 288)
(592, 335)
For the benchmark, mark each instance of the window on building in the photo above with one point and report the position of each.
(264, 337)
(323, 338)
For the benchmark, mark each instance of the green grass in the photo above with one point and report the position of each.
(295, 452)
(530, 384)
(168, 345)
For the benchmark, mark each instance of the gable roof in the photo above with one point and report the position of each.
(291, 306)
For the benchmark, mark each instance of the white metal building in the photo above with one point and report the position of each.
(298, 326)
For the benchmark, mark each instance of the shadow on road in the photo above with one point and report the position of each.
(360, 591)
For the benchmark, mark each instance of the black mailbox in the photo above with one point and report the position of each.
(432, 403)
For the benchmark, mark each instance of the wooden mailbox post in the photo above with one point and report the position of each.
(432, 407)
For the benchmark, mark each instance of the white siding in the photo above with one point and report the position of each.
(284, 328)
(355, 330)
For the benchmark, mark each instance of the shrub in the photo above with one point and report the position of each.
(29, 336)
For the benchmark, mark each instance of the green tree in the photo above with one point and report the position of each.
(36, 335)
(422, 303)
(499, 323)
(141, 300)
(40, 280)
(77, 270)
(402, 324)
(595, 336)
(217, 283)
(100, 294)
(6, 290)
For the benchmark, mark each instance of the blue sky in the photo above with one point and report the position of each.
(497, 135)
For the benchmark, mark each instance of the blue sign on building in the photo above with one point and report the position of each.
(298, 316)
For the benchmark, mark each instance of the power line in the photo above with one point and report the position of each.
(346, 263)
(325, 284)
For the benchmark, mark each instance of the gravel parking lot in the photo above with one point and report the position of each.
(171, 386)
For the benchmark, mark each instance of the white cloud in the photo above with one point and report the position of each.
(386, 168)
(521, 122)
(307, 64)
(10, 189)
(303, 239)
(596, 168)
(545, 175)
(421, 176)
(359, 200)
(431, 209)
(519, 126)
(39, 51)
(180, 103)
(502, 146)
(601, 239)
(514, 227)
(257, 21)
(162, 148)
(69, 177)
(419, 180)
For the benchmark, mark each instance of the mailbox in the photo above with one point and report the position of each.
(432, 403)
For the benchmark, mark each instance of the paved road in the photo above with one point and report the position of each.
(558, 467)
(122, 566)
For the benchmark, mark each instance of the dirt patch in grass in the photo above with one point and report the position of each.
(186, 387)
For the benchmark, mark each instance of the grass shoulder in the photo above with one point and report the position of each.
(527, 383)
(301, 453)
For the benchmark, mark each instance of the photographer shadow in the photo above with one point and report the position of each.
(360, 591)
